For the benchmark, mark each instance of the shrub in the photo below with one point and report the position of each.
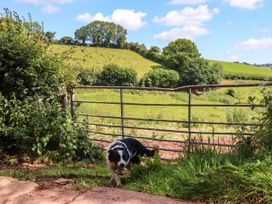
(113, 75)
(87, 77)
(40, 127)
(26, 68)
(198, 71)
(161, 78)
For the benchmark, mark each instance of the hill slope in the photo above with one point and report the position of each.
(236, 68)
(94, 57)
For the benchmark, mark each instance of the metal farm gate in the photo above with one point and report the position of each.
(192, 137)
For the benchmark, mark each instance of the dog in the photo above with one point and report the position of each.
(124, 152)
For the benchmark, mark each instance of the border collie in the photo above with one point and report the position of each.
(122, 153)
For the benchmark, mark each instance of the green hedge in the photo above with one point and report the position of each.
(161, 78)
(244, 76)
(114, 75)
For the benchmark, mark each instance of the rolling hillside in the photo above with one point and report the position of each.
(233, 68)
(93, 57)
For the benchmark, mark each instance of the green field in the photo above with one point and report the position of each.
(94, 57)
(230, 67)
(207, 114)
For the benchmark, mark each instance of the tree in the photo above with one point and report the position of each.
(66, 40)
(103, 34)
(183, 56)
(177, 53)
(50, 36)
(82, 34)
(154, 53)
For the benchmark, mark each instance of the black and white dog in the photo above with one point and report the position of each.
(122, 153)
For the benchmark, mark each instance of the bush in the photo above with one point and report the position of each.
(87, 77)
(198, 71)
(26, 68)
(113, 75)
(161, 78)
(40, 127)
(32, 119)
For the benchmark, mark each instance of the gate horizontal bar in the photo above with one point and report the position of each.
(165, 130)
(171, 104)
(173, 121)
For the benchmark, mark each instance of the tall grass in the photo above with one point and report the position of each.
(207, 176)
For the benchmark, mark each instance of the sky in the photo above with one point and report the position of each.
(227, 30)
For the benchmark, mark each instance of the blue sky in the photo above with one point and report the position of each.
(228, 30)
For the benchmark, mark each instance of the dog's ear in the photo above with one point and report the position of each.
(112, 155)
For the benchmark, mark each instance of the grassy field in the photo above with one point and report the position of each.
(207, 114)
(93, 57)
(230, 67)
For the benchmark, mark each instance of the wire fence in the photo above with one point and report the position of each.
(192, 137)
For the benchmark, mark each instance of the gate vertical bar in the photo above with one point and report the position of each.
(122, 112)
(189, 118)
(72, 98)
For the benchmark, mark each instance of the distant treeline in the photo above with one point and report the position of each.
(256, 65)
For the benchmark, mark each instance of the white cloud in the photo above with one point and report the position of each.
(50, 9)
(87, 17)
(187, 16)
(129, 19)
(234, 58)
(188, 1)
(247, 4)
(188, 32)
(188, 23)
(254, 44)
(45, 1)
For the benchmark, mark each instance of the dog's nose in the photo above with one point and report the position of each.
(122, 164)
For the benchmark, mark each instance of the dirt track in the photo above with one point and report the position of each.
(13, 191)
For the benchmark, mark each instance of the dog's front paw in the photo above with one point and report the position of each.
(118, 184)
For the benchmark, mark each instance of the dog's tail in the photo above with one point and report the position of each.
(150, 153)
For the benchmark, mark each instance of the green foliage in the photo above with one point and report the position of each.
(161, 78)
(88, 77)
(82, 34)
(139, 48)
(263, 134)
(178, 53)
(154, 53)
(102, 34)
(25, 66)
(113, 75)
(67, 40)
(246, 76)
(50, 36)
(40, 127)
(183, 56)
(198, 71)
